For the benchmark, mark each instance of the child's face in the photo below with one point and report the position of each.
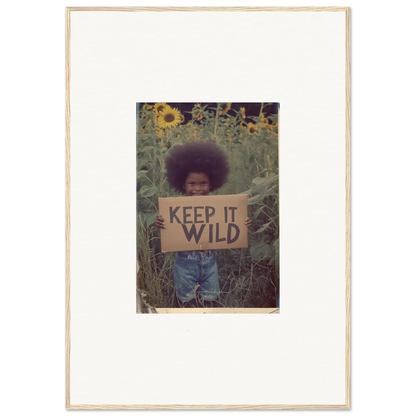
(197, 184)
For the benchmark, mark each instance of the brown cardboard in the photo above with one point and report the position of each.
(203, 222)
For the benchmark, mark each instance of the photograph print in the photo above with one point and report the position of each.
(207, 207)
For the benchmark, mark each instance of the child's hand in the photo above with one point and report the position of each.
(160, 222)
(248, 222)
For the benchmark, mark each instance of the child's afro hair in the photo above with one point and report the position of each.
(202, 157)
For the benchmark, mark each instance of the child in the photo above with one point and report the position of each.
(195, 169)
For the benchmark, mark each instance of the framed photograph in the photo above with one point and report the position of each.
(200, 260)
(208, 208)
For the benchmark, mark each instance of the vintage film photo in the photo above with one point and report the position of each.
(207, 207)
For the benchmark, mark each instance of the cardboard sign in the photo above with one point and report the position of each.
(203, 222)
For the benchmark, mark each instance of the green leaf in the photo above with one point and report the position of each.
(139, 220)
(150, 217)
(141, 173)
(144, 149)
(276, 252)
(147, 191)
(258, 181)
(142, 204)
(246, 192)
(266, 171)
(255, 199)
(140, 162)
(257, 213)
(261, 184)
(260, 250)
(262, 228)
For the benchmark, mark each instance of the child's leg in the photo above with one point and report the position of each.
(209, 288)
(186, 276)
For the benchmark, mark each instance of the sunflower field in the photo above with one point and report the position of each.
(248, 132)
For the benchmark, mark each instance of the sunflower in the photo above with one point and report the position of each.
(169, 117)
(223, 108)
(251, 128)
(243, 112)
(182, 118)
(264, 121)
(159, 107)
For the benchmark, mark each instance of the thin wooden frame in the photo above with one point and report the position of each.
(345, 10)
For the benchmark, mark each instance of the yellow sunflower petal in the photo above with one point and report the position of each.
(169, 117)
(159, 107)
(251, 128)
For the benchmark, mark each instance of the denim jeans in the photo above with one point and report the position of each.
(196, 272)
